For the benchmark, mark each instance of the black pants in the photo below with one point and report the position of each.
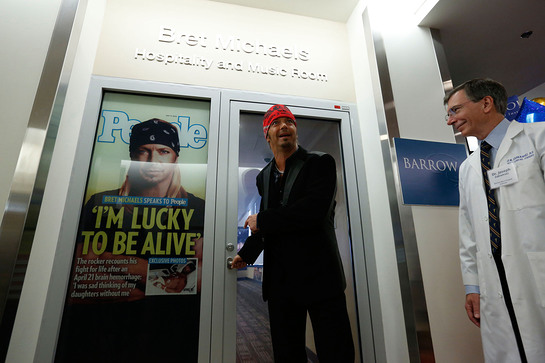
(330, 324)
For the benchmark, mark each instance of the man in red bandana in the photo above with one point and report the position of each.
(294, 228)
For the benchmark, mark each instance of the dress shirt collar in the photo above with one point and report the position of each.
(495, 137)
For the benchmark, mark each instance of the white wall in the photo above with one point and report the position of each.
(28, 23)
(33, 298)
(391, 342)
(202, 29)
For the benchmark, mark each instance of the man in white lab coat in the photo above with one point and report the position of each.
(505, 281)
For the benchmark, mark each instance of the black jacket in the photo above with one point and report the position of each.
(301, 256)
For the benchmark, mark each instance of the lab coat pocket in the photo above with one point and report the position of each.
(529, 191)
(537, 264)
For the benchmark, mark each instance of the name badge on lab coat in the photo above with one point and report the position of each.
(502, 176)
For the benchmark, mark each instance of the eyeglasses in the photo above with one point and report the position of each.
(454, 110)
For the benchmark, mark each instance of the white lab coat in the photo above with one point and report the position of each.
(522, 223)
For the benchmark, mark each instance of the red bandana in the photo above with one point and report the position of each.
(275, 112)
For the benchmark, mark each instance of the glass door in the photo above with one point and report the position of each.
(246, 335)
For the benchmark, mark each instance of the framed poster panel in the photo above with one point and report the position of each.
(143, 246)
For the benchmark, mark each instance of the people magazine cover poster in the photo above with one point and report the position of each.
(134, 288)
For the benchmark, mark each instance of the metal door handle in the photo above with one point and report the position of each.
(230, 263)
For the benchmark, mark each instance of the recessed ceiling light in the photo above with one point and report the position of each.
(527, 34)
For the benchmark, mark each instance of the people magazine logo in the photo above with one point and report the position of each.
(118, 124)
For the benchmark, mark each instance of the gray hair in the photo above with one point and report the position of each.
(479, 88)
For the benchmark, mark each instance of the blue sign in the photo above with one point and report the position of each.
(512, 108)
(429, 171)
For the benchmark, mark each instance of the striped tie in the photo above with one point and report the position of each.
(493, 212)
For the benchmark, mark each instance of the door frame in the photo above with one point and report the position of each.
(217, 340)
(364, 266)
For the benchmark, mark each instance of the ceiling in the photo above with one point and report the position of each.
(481, 38)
